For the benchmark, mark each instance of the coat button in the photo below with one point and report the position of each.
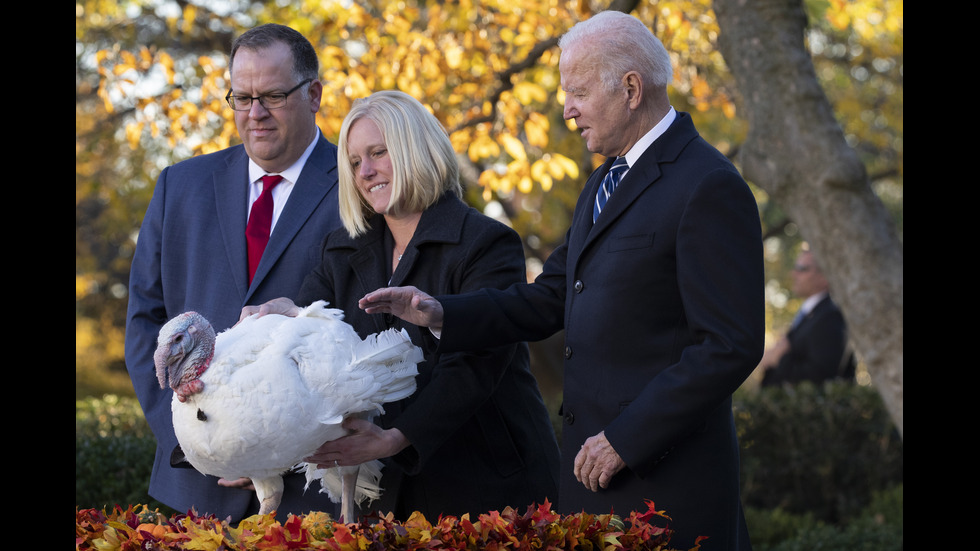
(569, 418)
(579, 286)
(568, 352)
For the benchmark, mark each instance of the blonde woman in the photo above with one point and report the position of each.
(475, 436)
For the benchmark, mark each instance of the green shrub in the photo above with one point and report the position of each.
(768, 527)
(867, 533)
(114, 451)
(110, 416)
(855, 537)
(817, 449)
(879, 527)
(887, 507)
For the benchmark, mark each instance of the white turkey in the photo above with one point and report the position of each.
(274, 389)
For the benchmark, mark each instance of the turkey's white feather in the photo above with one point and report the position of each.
(278, 387)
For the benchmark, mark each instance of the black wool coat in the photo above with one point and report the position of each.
(662, 305)
(481, 436)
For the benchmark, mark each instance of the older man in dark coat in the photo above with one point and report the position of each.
(659, 288)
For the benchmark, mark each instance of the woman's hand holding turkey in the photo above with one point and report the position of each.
(364, 442)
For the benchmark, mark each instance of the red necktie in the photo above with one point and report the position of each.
(260, 223)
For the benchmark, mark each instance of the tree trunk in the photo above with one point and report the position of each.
(795, 150)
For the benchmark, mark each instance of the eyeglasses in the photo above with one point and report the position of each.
(269, 101)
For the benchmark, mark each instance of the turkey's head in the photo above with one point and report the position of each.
(185, 347)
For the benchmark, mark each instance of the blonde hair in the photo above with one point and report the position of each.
(423, 161)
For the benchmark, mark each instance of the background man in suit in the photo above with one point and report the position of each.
(815, 347)
(661, 299)
(192, 252)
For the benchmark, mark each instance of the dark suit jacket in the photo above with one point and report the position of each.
(818, 349)
(481, 436)
(191, 255)
(663, 311)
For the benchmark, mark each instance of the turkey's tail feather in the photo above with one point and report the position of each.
(394, 350)
(389, 360)
(368, 481)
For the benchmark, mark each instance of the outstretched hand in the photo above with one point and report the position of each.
(243, 483)
(407, 303)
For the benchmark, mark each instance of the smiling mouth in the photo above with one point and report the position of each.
(378, 187)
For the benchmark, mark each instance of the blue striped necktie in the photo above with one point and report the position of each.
(608, 186)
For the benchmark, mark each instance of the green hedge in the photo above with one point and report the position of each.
(822, 450)
(879, 527)
(114, 450)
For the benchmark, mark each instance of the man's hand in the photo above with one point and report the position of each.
(243, 483)
(407, 303)
(772, 355)
(283, 305)
(597, 462)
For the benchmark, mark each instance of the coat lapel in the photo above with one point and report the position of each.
(440, 223)
(231, 202)
(581, 227)
(641, 176)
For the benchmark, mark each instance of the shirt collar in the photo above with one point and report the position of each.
(643, 143)
(811, 302)
(292, 173)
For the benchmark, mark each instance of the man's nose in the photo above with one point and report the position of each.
(569, 111)
(257, 110)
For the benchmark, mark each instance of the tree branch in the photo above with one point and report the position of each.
(503, 78)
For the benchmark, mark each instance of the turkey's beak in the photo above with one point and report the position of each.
(180, 357)
(171, 358)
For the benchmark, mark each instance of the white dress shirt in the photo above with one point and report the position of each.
(280, 193)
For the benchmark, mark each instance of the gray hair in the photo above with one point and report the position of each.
(625, 45)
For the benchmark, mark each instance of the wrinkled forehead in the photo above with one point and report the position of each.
(272, 64)
(578, 67)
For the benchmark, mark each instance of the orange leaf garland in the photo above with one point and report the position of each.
(538, 529)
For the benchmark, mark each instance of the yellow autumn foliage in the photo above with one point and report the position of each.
(457, 58)
(512, 146)
(151, 92)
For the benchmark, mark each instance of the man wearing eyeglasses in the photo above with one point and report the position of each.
(815, 347)
(237, 227)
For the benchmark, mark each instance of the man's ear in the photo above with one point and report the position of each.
(315, 95)
(634, 89)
